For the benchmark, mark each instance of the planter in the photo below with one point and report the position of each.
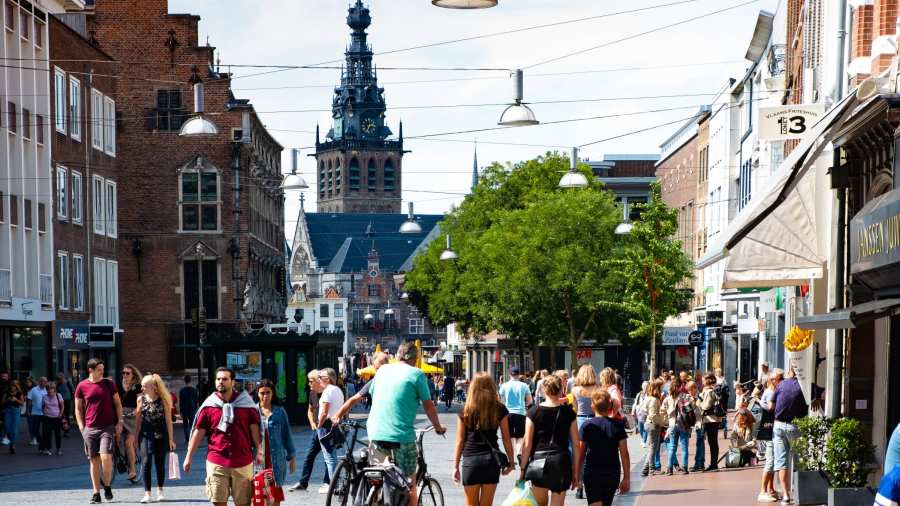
(850, 496)
(811, 488)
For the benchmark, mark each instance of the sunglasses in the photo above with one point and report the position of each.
(126, 373)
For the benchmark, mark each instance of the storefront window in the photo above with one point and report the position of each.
(29, 352)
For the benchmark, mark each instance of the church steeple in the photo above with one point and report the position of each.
(475, 168)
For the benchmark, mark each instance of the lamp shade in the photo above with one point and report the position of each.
(389, 311)
(410, 226)
(518, 114)
(573, 179)
(198, 126)
(368, 316)
(449, 254)
(293, 182)
(464, 4)
(624, 228)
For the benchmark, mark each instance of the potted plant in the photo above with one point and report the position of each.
(847, 458)
(810, 482)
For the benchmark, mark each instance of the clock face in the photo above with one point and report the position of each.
(369, 126)
(373, 273)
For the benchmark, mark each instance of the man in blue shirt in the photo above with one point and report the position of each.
(790, 404)
(516, 396)
(889, 489)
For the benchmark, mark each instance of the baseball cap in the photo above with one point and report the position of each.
(514, 370)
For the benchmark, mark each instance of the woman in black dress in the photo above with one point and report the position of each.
(129, 389)
(549, 431)
(476, 442)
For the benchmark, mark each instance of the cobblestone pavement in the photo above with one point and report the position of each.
(70, 485)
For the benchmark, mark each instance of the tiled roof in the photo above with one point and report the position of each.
(339, 240)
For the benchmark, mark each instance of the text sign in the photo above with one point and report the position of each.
(584, 354)
(695, 338)
(789, 121)
(676, 336)
(72, 336)
(875, 241)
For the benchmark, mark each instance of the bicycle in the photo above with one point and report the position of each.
(428, 489)
(348, 473)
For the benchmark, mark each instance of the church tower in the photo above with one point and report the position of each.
(358, 165)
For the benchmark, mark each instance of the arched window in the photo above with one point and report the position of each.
(322, 179)
(372, 175)
(337, 176)
(199, 197)
(389, 175)
(354, 174)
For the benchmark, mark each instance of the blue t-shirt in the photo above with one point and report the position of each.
(889, 489)
(892, 455)
(602, 435)
(513, 394)
(397, 389)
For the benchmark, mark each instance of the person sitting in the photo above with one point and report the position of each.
(742, 436)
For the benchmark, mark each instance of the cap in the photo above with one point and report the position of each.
(514, 370)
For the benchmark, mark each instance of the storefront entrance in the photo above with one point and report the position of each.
(25, 351)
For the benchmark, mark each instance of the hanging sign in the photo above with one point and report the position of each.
(788, 121)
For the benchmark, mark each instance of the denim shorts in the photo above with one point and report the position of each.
(768, 446)
(782, 435)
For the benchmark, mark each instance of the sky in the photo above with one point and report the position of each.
(696, 57)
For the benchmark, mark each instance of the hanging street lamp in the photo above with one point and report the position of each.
(294, 181)
(573, 178)
(625, 227)
(518, 114)
(464, 4)
(410, 226)
(198, 125)
(448, 254)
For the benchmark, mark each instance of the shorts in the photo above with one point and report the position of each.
(98, 441)
(406, 457)
(768, 451)
(516, 425)
(782, 435)
(223, 481)
(600, 488)
(479, 470)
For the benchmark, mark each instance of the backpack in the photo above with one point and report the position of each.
(722, 393)
(685, 415)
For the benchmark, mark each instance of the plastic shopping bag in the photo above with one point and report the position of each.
(174, 467)
(521, 495)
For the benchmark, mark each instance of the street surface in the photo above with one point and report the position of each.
(28, 478)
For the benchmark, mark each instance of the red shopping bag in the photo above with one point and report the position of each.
(265, 491)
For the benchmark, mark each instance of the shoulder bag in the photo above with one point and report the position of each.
(499, 457)
(537, 467)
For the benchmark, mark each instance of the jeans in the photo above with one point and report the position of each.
(642, 431)
(11, 417)
(51, 427)
(653, 445)
(782, 435)
(34, 427)
(700, 453)
(331, 460)
(156, 450)
(187, 421)
(310, 461)
(675, 434)
(769, 449)
(711, 430)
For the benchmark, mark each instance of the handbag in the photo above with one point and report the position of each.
(521, 495)
(536, 467)
(330, 436)
(174, 467)
(499, 457)
(265, 490)
(733, 458)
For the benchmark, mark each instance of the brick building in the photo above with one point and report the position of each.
(85, 187)
(204, 216)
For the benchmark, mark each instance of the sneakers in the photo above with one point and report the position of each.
(297, 486)
(146, 498)
(59, 452)
(159, 495)
(95, 499)
(107, 493)
(643, 444)
(33, 442)
(323, 489)
(47, 452)
(5, 441)
(765, 497)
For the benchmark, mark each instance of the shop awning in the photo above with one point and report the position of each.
(849, 318)
(772, 241)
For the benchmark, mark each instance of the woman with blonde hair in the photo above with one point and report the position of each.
(654, 424)
(476, 442)
(582, 394)
(129, 390)
(539, 385)
(154, 426)
(608, 382)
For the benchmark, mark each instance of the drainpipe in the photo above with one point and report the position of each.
(841, 51)
(836, 360)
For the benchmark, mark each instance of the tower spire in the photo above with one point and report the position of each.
(475, 168)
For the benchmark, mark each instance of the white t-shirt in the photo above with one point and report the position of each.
(36, 396)
(334, 397)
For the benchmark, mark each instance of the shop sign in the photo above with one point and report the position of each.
(695, 338)
(788, 121)
(102, 336)
(585, 354)
(730, 329)
(676, 336)
(714, 318)
(72, 336)
(875, 241)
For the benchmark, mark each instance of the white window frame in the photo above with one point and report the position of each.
(60, 100)
(62, 194)
(98, 216)
(416, 324)
(78, 282)
(109, 123)
(96, 119)
(110, 202)
(62, 258)
(99, 291)
(77, 198)
(112, 293)
(75, 108)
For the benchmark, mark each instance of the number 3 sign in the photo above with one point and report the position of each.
(788, 122)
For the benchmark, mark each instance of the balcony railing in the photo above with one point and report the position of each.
(46, 290)
(5, 286)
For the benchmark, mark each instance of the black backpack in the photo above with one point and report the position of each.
(686, 416)
(720, 409)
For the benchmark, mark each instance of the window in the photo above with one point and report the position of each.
(77, 202)
(12, 121)
(2, 208)
(372, 176)
(96, 119)
(354, 174)
(14, 210)
(390, 322)
(200, 201)
(338, 326)
(62, 279)
(323, 310)
(39, 128)
(98, 216)
(77, 281)
(704, 164)
(75, 108)
(42, 217)
(339, 311)
(111, 209)
(59, 87)
(745, 182)
(416, 326)
(324, 327)
(210, 288)
(388, 175)
(112, 293)
(109, 123)
(62, 200)
(373, 291)
(169, 112)
(99, 315)
(26, 123)
(24, 23)
(10, 16)
(38, 33)
(27, 210)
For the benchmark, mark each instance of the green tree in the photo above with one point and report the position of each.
(654, 268)
(534, 260)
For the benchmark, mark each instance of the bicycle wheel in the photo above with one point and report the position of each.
(431, 494)
(340, 487)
